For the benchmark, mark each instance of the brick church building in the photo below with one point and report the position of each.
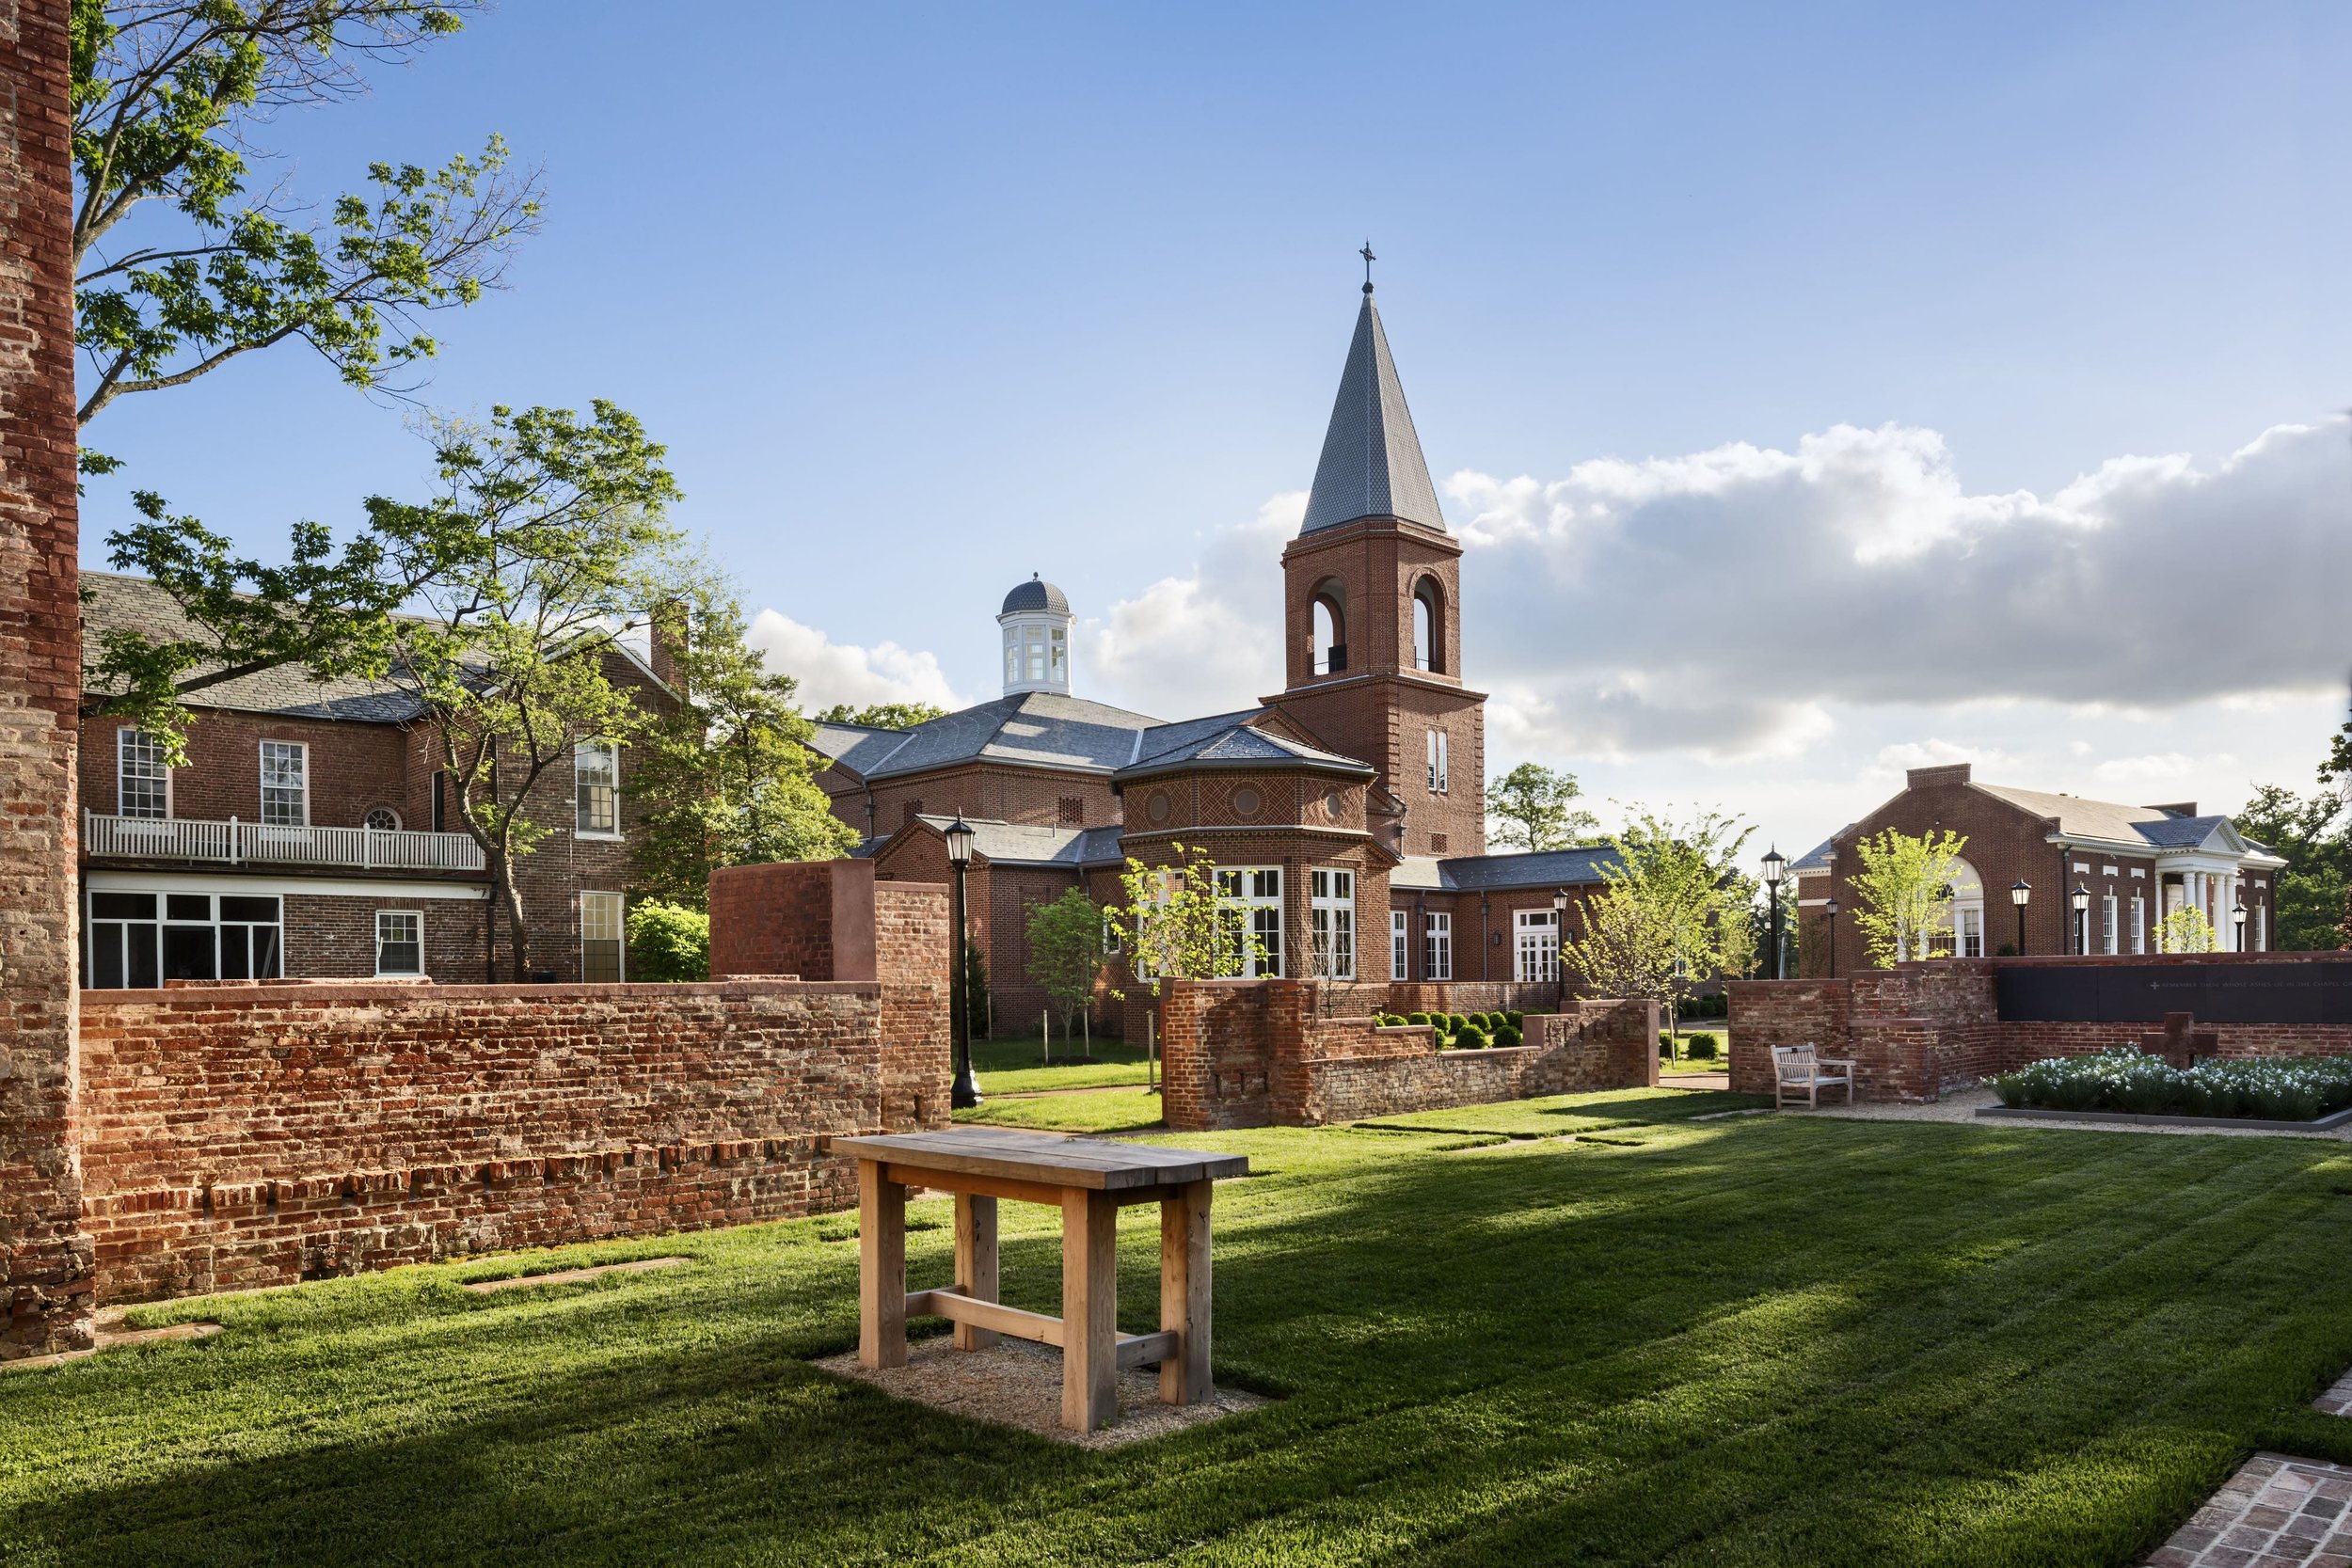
(1346, 812)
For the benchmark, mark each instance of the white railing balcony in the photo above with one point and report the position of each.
(236, 843)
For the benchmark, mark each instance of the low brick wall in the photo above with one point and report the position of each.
(244, 1135)
(1259, 1052)
(1919, 1029)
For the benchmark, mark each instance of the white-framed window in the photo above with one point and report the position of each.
(1254, 894)
(399, 942)
(597, 789)
(1333, 915)
(1400, 939)
(1438, 761)
(2107, 929)
(1037, 655)
(1437, 944)
(2140, 924)
(285, 783)
(1536, 945)
(142, 783)
(140, 940)
(1968, 926)
(2261, 928)
(1424, 631)
(601, 949)
(381, 819)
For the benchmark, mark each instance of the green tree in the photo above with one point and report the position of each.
(1175, 924)
(883, 716)
(1903, 899)
(549, 535)
(1066, 951)
(1672, 912)
(668, 942)
(179, 269)
(2186, 931)
(1533, 807)
(728, 778)
(2315, 835)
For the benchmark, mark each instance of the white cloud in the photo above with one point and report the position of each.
(830, 671)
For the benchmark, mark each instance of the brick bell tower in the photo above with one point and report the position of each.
(1372, 613)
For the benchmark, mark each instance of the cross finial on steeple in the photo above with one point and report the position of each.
(1369, 258)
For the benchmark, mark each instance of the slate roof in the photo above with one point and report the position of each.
(1236, 744)
(1372, 464)
(1041, 728)
(2103, 820)
(1035, 593)
(1538, 868)
(1018, 844)
(123, 603)
(1823, 855)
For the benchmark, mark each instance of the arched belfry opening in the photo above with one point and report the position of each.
(1328, 654)
(1429, 627)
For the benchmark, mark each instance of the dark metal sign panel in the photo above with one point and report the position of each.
(2315, 992)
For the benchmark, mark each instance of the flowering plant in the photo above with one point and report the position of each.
(2302, 1088)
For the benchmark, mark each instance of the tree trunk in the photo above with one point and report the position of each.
(510, 899)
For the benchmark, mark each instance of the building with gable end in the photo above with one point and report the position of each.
(1346, 812)
(2137, 864)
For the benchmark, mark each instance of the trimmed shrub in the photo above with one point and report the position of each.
(1457, 1022)
(1510, 1035)
(1703, 1048)
(1475, 1038)
(1417, 1018)
(668, 942)
(1665, 1043)
(1515, 1019)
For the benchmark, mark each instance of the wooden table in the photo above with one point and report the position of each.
(1089, 1181)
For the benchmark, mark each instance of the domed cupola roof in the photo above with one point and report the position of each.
(1034, 595)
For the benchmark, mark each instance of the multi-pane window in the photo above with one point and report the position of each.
(285, 783)
(2140, 924)
(1437, 944)
(600, 958)
(144, 939)
(596, 789)
(399, 942)
(1253, 897)
(142, 783)
(381, 819)
(1399, 940)
(1333, 914)
(1438, 761)
(1536, 942)
(2106, 925)
(1968, 922)
(1036, 655)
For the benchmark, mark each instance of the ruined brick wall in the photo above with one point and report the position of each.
(237, 1135)
(1259, 1052)
(912, 952)
(1769, 1013)
(45, 1257)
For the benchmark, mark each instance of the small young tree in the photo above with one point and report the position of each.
(2186, 931)
(1066, 952)
(1672, 913)
(728, 777)
(1902, 897)
(1533, 807)
(1175, 926)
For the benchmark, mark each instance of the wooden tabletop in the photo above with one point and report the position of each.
(1049, 1158)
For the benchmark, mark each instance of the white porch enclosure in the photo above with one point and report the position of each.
(236, 843)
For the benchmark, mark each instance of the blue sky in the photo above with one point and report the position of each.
(923, 300)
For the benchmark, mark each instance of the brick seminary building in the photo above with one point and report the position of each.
(2137, 864)
(1346, 813)
(313, 836)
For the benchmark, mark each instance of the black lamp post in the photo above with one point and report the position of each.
(2237, 918)
(2080, 898)
(1830, 910)
(1774, 865)
(967, 1090)
(1559, 950)
(2019, 893)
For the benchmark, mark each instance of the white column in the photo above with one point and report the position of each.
(2230, 898)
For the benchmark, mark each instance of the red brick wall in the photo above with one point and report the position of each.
(242, 1136)
(1254, 1053)
(44, 1256)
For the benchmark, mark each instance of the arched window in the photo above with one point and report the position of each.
(1329, 652)
(1960, 932)
(1428, 626)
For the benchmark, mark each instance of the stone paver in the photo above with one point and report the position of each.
(2275, 1512)
(2336, 1400)
(1961, 1105)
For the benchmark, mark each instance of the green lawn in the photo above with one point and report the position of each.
(1754, 1339)
(1017, 1066)
(1125, 1110)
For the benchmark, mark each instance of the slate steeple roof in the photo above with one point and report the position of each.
(1372, 464)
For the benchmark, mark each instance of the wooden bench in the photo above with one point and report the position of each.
(1797, 1066)
(1089, 1181)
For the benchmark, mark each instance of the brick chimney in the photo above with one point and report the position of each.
(1929, 778)
(667, 643)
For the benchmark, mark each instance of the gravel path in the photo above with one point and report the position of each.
(1962, 1105)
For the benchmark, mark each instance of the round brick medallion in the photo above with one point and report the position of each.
(1246, 802)
(1335, 804)
(1158, 807)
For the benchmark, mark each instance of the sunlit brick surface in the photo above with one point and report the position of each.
(2274, 1512)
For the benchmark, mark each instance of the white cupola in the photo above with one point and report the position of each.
(1036, 619)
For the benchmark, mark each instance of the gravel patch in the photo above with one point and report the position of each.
(1017, 1382)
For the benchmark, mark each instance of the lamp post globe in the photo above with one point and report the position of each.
(1775, 865)
(2237, 919)
(1559, 950)
(2020, 893)
(966, 1091)
(2080, 898)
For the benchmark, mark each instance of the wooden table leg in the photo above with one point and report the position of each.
(1185, 1291)
(1089, 1309)
(976, 1262)
(881, 1268)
